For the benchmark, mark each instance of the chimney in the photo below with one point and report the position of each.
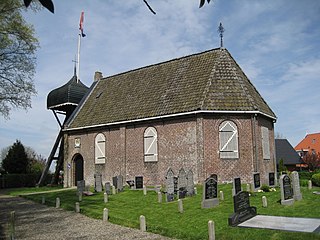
(97, 76)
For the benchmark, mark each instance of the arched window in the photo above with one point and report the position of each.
(150, 138)
(228, 138)
(99, 149)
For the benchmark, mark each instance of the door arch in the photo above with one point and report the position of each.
(78, 168)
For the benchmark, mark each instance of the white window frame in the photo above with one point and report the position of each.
(150, 145)
(265, 143)
(228, 140)
(100, 149)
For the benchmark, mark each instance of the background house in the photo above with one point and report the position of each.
(198, 112)
(311, 143)
(285, 151)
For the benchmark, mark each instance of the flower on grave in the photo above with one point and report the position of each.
(260, 190)
(273, 189)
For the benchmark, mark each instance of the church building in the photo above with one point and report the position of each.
(198, 112)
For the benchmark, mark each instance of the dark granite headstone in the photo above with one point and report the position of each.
(287, 189)
(115, 181)
(237, 185)
(256, 180)
(271, 179)
(98, 182)
(170, 185)
(210, 192)
(182, 183)
(242, 209)
(211, 187)
(175, 182)
(190, 183)
(108, 188)
(139, 182)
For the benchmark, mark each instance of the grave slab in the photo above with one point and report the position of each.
(292, 224)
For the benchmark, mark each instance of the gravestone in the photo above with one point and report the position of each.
(190, 183)
(236, 185)
(271, 179)
(286, 190)
(80, 187)
(170, 185)
(182, 183)
(139, 182)
(296, 186)
(256, 181)
(98, 182)
(210, 192)
(175, 184)
(115, 182)
(242, 209)
(120, 183)
(108, 188)
(131, 183)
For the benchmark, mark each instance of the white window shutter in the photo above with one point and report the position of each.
(228, 138)
(150, 145)
(265, 143)
(100, 149)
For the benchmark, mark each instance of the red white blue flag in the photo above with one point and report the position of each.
(81, 24)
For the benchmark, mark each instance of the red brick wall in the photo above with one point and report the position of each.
(191, 143)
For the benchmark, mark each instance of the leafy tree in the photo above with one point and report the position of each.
(36, 162)
(282, 167)
(16, 160)
(17, 58)
(312, 159)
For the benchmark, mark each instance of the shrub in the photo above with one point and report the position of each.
(305, 175)
(265, 188)
(304, 182)
(316, 179)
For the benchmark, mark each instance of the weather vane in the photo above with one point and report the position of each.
(221, 31)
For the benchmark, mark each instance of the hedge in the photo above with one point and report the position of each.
(21, 180)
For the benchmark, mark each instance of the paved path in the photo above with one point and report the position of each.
(284, 223)
(36, 221)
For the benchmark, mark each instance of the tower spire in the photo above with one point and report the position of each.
(221, 31)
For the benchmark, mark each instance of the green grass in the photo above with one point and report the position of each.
(26, 190)
(164, 218)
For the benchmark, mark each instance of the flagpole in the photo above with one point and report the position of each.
(78, 58)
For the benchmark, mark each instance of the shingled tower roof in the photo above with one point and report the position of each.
(67, 96)
(210, 82)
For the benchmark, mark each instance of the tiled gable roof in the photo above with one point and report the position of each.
(286, 152)
(210, 81)
(310, 143)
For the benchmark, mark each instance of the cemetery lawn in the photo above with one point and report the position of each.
(164, 218)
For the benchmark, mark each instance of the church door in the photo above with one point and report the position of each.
(78, 164)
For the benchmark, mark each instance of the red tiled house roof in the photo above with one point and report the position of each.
(310, 143)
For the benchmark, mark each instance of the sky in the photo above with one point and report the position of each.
(275, 42)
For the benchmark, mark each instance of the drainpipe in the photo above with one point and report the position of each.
(255, 150)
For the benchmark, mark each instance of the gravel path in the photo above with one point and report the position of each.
(36, 221)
